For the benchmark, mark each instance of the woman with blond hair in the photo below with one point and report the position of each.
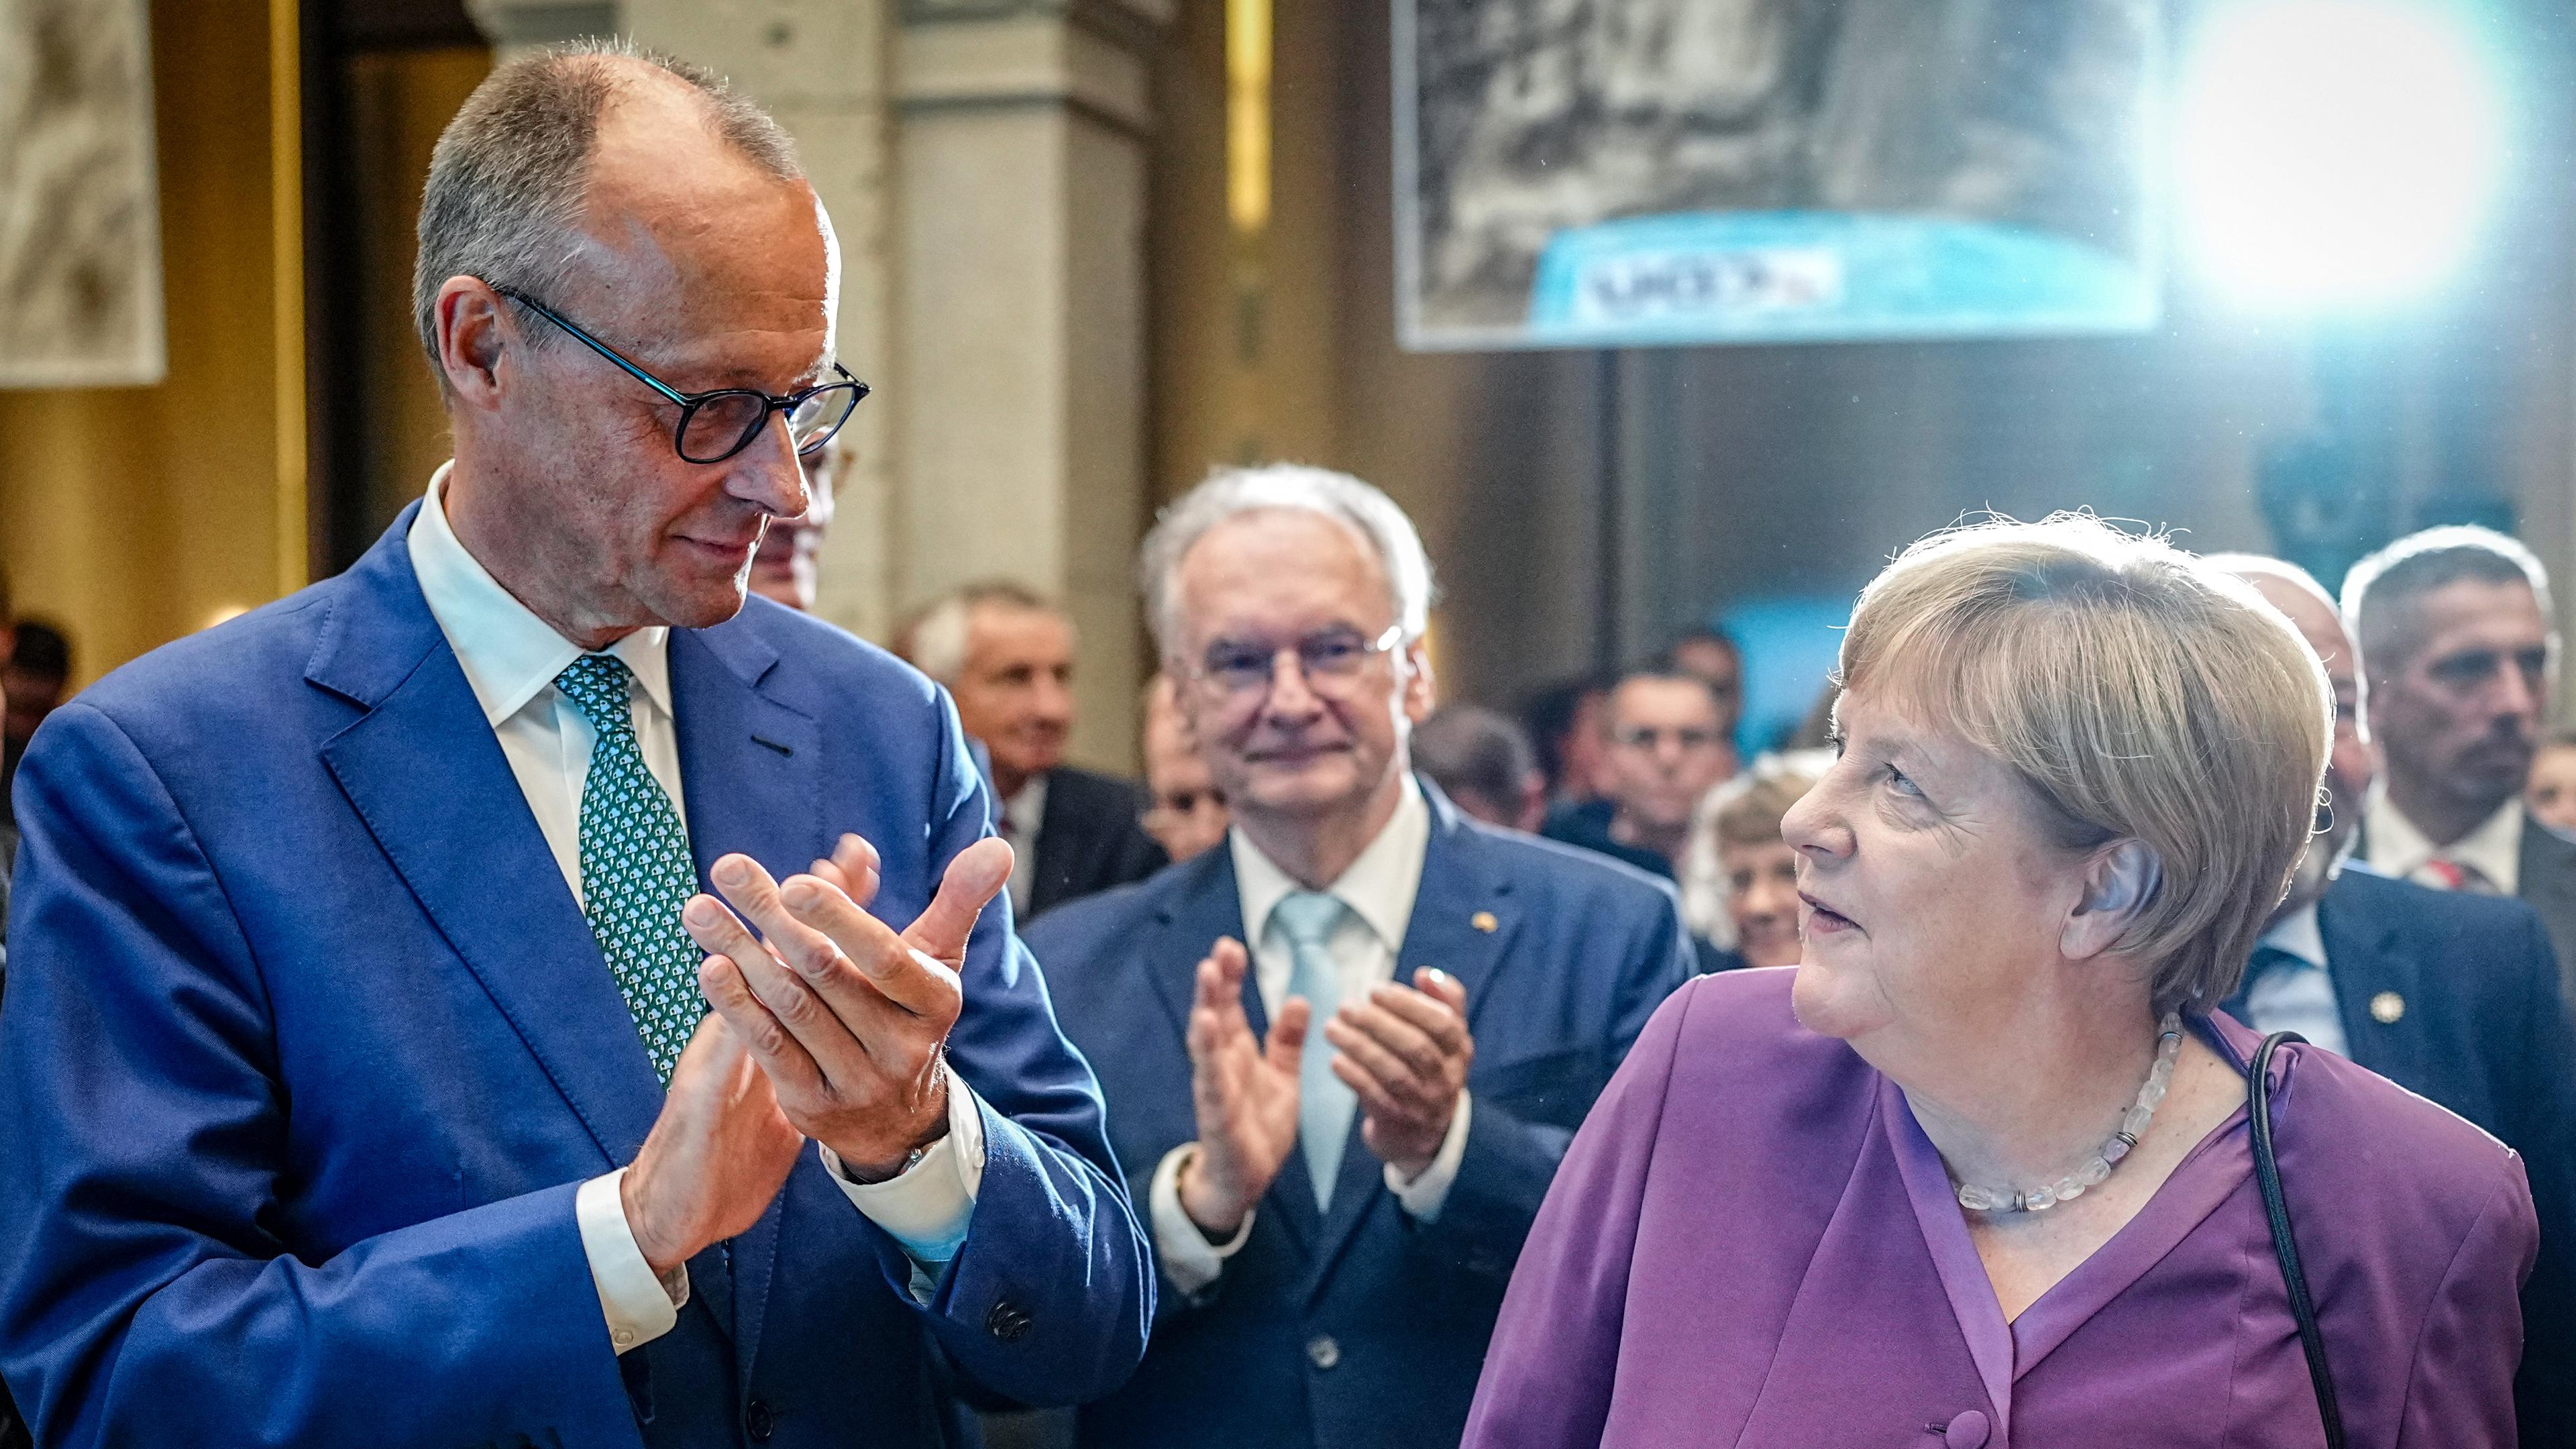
(1739, 878)
(1986, 1168)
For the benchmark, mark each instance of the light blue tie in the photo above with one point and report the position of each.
(1324, 1103)
(636, 874)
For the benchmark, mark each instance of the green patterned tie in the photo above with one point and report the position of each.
(636, 873)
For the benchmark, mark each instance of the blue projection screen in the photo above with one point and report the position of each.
(1622, 173)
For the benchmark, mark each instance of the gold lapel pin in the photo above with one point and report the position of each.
(2386, 1007)
(1484, 921)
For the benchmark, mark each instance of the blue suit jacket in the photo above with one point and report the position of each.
(307, 1046)
(1364, 1327)
(2484, 1032)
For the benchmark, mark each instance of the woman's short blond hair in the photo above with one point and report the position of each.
(2139, 694)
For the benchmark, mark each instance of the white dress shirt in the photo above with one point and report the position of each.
(1378, 887)
(2399, 848)
(1023, 816)
(2298, 995)
(510, 658)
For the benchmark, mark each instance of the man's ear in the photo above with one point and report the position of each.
(472, 335)
(2120, 882)
(1421, 690)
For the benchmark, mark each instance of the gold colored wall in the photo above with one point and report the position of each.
(135, 515)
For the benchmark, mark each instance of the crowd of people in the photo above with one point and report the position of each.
(522, 991)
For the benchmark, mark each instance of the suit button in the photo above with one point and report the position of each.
(1968, 1431)
(1008, 1322)
(1322, 1352)
(759, 1421)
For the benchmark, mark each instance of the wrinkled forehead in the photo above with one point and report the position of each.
(1271, 572)
(690, 241)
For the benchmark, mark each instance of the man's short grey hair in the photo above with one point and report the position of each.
(2378, 591)
(509, 177)
(1226, 492)
(935, 639)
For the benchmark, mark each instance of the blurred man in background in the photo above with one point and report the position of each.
(2454, 624)
(2453, 995)
(1006, 654)
(1664, 747)
(37, 676)
(787, 567)
(1564, 726)
(1340, 1168)
(1484, 764)
(1712, 656)
(1188, 814)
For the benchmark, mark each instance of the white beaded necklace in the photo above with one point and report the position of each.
(2133, 1125)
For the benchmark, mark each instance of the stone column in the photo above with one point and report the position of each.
(1018, 386)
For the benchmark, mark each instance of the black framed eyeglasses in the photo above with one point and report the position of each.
(716, 425)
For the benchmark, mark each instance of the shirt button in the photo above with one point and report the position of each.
(760, 1422)
(626, 1338)
(1322, 1352)
(1968, 1431)
(1008, 1322)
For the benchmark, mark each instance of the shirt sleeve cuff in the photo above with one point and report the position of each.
(1423, 1197)
(1189, 1259)
(640, 1306)
(926, 1208)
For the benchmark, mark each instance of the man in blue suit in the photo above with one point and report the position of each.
(355, 1083)
(2451, 995)
(1344, 1131)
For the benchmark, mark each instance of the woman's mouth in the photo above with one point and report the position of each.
(1823, 919)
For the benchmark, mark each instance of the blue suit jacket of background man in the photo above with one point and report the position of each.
(307, 1047)
(1364, 1327)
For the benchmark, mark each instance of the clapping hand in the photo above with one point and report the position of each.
(1245, 1094)
(1405, 1050)
(849, 1019)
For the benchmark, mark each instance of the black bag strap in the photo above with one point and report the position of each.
(2267, 1175)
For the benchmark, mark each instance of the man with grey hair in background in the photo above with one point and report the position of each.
(1346, 1050)
(2454, 626)
(2450, 994)
(1006, 654)
(358, 1074)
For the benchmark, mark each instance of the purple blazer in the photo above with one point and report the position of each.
(1753, 1243)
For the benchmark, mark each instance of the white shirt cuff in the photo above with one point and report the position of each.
(1423, 1197)
(640, 1306)
(1189, 1259)
(926, 1208)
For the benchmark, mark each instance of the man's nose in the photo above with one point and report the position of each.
(1054, 698)
(2518, 695)
(770, 475)
(1290, 694)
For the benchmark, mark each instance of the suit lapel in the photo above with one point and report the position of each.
(424, 771)
(1462, 923)
(750, 769)
(2362, 960)
(1205, 906)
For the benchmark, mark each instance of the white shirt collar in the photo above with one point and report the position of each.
(1379, 885)
(2398, 848)
(2298, 934)
(508, 653)
(1028, 808)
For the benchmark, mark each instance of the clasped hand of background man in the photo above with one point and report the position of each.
(1403, 1050)
(828, 1024)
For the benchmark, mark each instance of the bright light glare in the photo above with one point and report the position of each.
(2336, 153)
